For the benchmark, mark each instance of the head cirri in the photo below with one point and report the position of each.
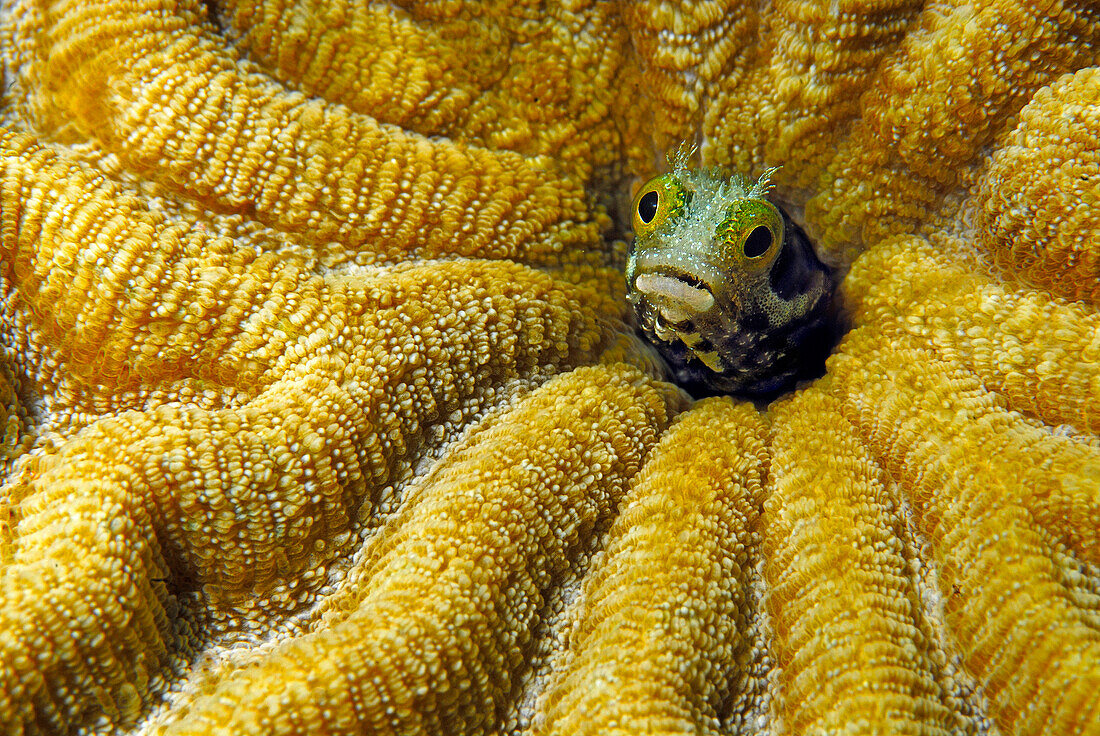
(725, 285)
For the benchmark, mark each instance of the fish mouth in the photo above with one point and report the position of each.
(688, 278)
(679, 297)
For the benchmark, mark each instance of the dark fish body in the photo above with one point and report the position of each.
(726, 286)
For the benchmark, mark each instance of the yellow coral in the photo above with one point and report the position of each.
(957, 80)
(1038, 198)
(456, 581)
(854, 645)
(1039, 352)
(245, 499)
(689, 50)
(815, 60)
(481, 73)
(341, 182)
(658, 658)
(1001, 500)
(284, 285)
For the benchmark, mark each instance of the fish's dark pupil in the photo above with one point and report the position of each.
(647, 207)
(758, 242)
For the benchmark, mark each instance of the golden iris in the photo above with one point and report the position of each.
(752, 233)
(659, 199)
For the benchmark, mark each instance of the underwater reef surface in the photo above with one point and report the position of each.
(322, 412)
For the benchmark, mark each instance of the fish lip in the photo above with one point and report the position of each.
(678, 300)
(692, 269)
(691, 280)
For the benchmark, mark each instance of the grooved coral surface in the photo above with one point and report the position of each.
(319, 412)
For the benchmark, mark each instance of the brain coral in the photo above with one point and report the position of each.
(320, 413)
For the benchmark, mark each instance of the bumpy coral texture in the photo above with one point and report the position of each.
(319, 413)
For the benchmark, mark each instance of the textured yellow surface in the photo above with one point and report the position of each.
(318, 413)
(463, 560)
(1038, 223)
(850, 636)
(657, 658)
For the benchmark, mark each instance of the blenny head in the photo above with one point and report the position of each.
(725, 284)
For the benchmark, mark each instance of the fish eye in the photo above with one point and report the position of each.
(753, 231)
(660, 199)
(647, 206)
(758, 242)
